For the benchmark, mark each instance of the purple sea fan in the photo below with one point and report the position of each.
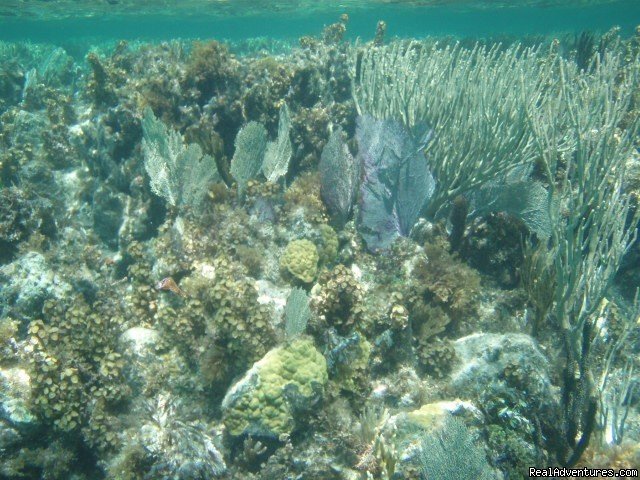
(339, 177)
(396, 181)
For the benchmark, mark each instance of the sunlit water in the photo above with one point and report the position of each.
(66, 20)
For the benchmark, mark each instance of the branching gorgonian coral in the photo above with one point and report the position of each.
(584, 151)
(180, 174)
(474, 100)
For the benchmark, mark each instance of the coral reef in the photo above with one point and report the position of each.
(300, 259)
(280, 387)
(268, 260)
(338, 299)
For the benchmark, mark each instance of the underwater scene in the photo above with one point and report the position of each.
(294, 240)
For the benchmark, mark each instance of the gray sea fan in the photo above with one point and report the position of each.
(251, 143)
(57, 70)
(296, 313)
(179, 173)
(278, 154)
(339, 177)
(396, 183)
(520, 196)
(451, 453)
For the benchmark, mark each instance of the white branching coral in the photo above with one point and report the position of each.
(181, 449)
(179, 173)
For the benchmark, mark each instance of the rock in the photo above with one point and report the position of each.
(432, 416)
(15, 416)
(137, 346)
(28, 128)
(273, 295)
(139, 340)
(9, 436)
(108, 211)
(485, 357)
(15, 391)
(272, 396)
(29, 282)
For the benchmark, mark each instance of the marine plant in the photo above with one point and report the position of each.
(379, 455)
(396, 182)
(339, 177)
(296, 313)
(278, 153)
(180, 174)
(251, 143)
(593, 223)
(452, 453)
(475, 101)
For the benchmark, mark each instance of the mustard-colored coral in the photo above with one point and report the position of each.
(300, 259)
(260, 403)
(339, 299)
(328, 248)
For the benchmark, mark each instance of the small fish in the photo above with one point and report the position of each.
(169, 283)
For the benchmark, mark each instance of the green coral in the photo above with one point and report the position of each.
(297, 367)
(300, 259)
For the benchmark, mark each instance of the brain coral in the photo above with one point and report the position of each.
(300, 259)
(285, 382)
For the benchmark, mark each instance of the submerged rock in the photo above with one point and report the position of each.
(485, 357)
(15, 393)
(108, 216)
(30, 281)
(138, 348)
(270, 398)
(139, 341)
(433, 415)
(15, 415)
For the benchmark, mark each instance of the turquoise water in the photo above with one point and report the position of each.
(235, 23)
(318, 240)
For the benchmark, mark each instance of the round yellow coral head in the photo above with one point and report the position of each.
(300, 259)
